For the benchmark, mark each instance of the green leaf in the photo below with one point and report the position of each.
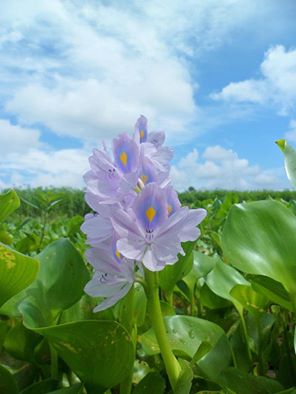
(290, 160)
(171, 274)
(186, 334)
(260, 238)
(42, 387)
(244, 383)
(21, 342)
(16, 272)
(222, 279)
(59, 284)
(75, 389)
(249, 298)
(271, 289)
(7, 382)
(292, 390)
(3, 331)
(184, 384)
(202, 265)
(9, 202)
(101, 353)
(210, 299)
(151, 383)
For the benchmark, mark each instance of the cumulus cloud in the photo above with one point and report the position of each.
(291, 133)
(276, 86)
(16, 139)
(85, 69)
(64, 167)
(222, 168)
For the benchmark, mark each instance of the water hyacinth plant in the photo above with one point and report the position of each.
(138, 225)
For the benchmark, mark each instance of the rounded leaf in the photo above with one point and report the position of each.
(9, 202)
(260, 238)
(17, 272)
(101, 353)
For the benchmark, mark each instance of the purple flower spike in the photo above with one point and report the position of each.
(147, 233)
(138, 218)
(141, 128)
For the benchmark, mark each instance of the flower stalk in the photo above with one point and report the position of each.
(171, 363)
(127, 319)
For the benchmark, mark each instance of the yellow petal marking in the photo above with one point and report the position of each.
(150, 213)
(142, 133)
(170, 208)
(118, 255)
(123, 158)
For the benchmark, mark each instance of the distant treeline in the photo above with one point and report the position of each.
(70, 202)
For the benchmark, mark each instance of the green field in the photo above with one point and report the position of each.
(243, 323)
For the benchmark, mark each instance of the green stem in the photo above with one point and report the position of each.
(54, 368)
(245, 333)
(127, 319)
(171, 364)
(170, 298)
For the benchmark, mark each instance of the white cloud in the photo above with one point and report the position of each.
(85, 69)
(64, 167)
(291, 133)
(221, 168)
(16, 139)
(277, 85)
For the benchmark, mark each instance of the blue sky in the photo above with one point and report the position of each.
(218, 76)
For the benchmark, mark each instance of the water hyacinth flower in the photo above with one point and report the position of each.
(138, 220)
(153, 229)
(111, 280)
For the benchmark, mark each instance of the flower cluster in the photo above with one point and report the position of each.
(138, 219)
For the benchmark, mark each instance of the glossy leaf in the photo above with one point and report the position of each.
(42, 387)
(184, 381)
(244, 383)
(59, 284)
(9, 202)
(75, 389)
(186, 334)
(292, 390)
(151, 383)
(21, 342)
(210, 299)
(99, 352)
(7, 382)
(222, 279)
(249, 298)
(290, 160)
(169, 276)
(271, 289)
(260, 238)
(202, 265)
(16, 272)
